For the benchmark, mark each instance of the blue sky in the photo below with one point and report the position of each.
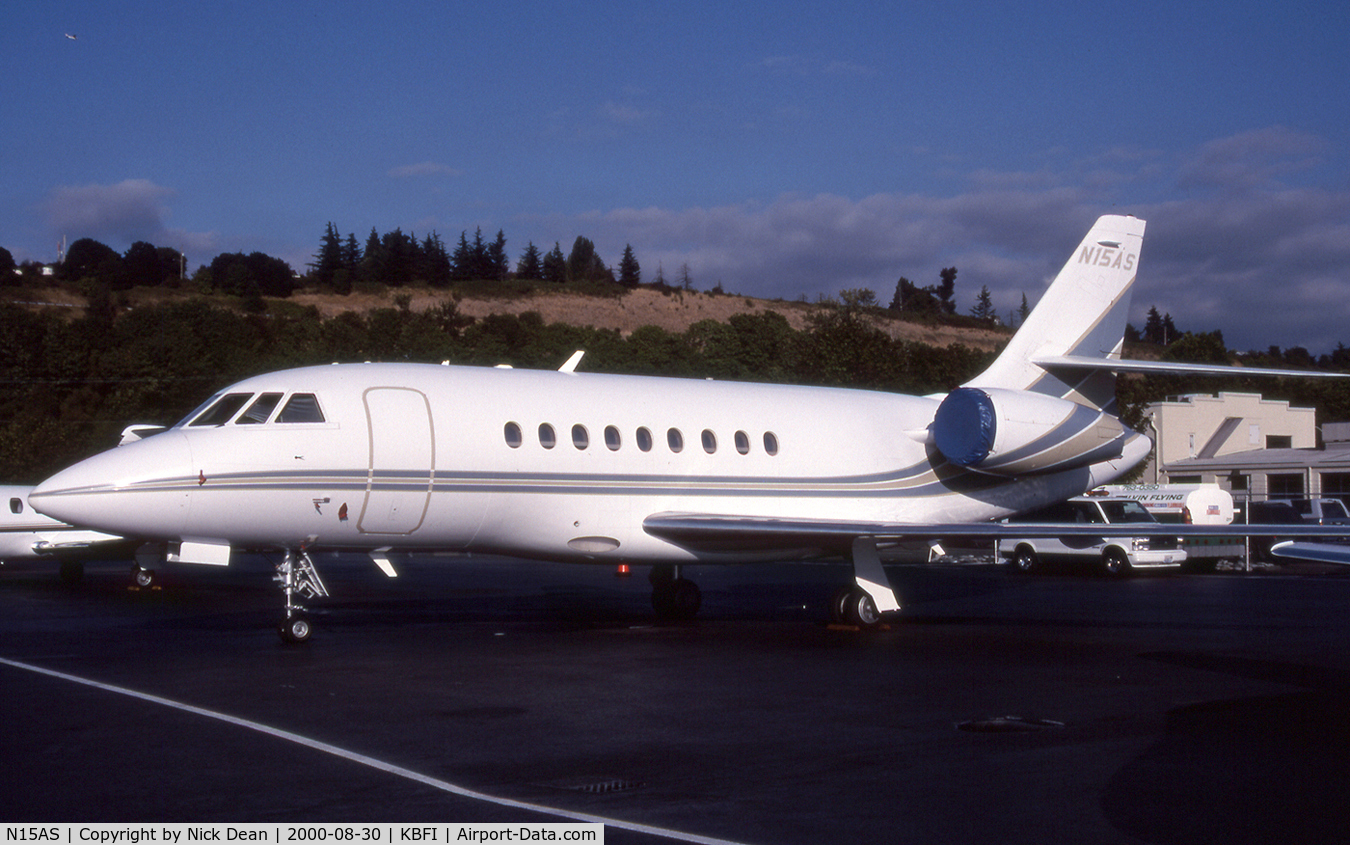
(782, 150)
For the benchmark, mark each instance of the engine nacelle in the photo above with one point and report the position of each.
(1016, 432)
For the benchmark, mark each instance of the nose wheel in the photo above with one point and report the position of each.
(295, 629)
(297, 575)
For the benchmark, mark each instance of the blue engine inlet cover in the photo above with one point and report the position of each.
(964, 426)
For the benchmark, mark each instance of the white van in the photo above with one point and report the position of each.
(1192, 504)
(1115, 551)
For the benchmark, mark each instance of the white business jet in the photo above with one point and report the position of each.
(27, 535)
(613, 469)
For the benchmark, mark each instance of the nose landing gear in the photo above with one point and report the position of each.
(296, 574)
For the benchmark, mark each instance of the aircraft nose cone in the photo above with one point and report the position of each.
(142, 489)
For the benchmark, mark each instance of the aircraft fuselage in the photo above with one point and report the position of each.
(535, 463)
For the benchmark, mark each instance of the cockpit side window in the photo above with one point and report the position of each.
(221, 412)
(260, 410)
(301, 408)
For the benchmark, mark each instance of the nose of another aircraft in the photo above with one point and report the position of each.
(141, 489)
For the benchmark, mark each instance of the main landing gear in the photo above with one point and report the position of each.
(862, 603)
(854, 606)
(674, 598)
(296, 574)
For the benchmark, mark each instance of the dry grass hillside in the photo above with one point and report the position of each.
(674, 312)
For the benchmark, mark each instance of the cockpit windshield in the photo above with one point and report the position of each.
(260, 410)
(219, 410)
(301, 408)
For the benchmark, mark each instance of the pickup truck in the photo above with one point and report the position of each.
(1116, 552)
(1322, 511)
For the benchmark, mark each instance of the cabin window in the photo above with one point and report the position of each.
(221, 412)
(709, 441)
(675, 439)
(260, 410)
(580, 438)
(301, 408)
(513, 435)
(742, 443)
(16, 505)
(547, 438)
(770, 443)
(644, 439)
(612, 439)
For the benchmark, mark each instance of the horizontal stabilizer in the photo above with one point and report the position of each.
(1120, 365)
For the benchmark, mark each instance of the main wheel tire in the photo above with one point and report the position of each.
(861, 610)
(1024, 561)
(839, 605)
(142, 578)
(678, 599)
(1115, 563)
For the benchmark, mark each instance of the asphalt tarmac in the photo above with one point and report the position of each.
(1000, 709)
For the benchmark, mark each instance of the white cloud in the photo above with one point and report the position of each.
(1263, 262)
(131, 210)
(119, 215)
(1251, 159)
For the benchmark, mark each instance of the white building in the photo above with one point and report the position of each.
(1251, 446)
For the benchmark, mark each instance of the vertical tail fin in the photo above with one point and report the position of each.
(1082, 314)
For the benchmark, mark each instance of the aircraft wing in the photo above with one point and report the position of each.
(729, 534)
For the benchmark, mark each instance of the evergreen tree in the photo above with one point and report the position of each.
(630, 273)
(530, 266)
(601, 273)
(461, 263)
(1024, 310)
(399, 259)
(479, 267)
(497, 264)
(351, 254)
(372, 260)
(350, 268)
(898, 298)
(555, 265)
(328, 260)
(581, 260)
(1153, 326)
(984, 305)
(434, 262)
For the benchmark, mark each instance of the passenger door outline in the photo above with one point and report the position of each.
(401, 470)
